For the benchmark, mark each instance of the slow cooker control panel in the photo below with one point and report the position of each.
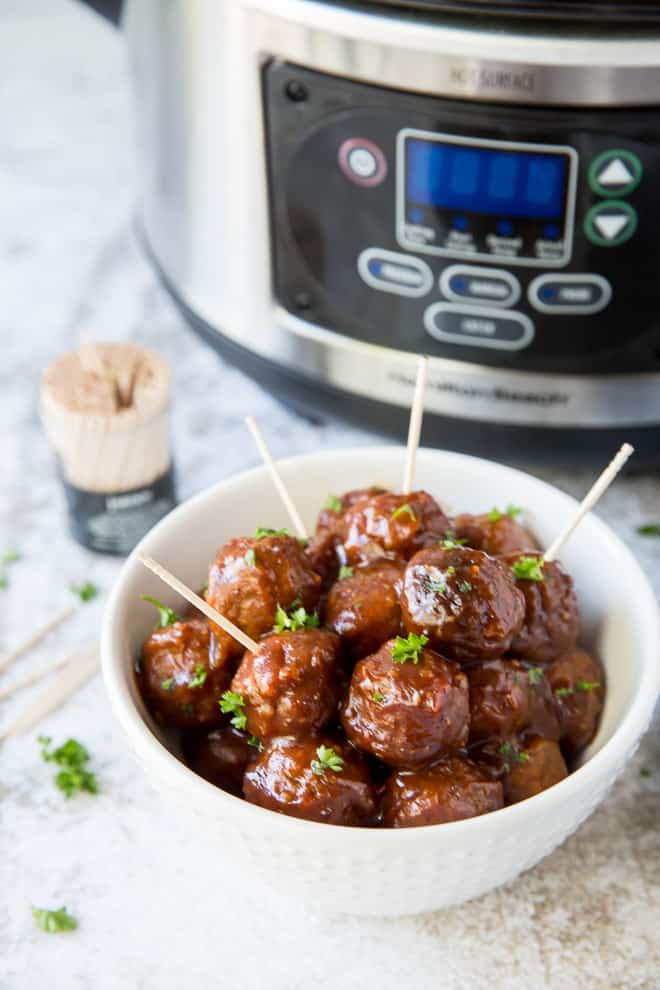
(507, 236)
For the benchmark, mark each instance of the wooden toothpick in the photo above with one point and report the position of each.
(599, 487)
(8, 659)
(198, 602)
(415, 426)
(293, 513)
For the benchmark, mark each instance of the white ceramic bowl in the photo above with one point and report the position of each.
(392, 872)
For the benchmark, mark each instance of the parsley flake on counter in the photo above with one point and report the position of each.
(528, 569)
(10, 556)
(535, 675)
(167, 684)
(328, 759)
(264, 531)
(512, 755)
(199, 676)
(409, 648)
(54, 921)
(72, 757)
(232, 704)
(333, 503)
(644, 772)
(649, 529)
(4, 581)
(404, 510)
(298, 619)
(251, 558)
(86, 592)
(166, 616)
(345, 571)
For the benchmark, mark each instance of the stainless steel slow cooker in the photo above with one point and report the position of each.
(331, 189)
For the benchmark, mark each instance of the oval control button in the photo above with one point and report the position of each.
(569, 293)
(476, 326)
(389, 271)
(489, 286)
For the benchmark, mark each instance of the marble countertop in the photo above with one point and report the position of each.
(152, 914)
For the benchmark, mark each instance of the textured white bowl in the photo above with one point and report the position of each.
(391, 872)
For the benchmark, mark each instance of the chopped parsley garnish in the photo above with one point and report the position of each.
(299, 618)
(450, 542)
(584, 686)
(345, 571)
(451, 570)
(232, 704)
(10, 556)
(257, 743)
(54, 921)
(167, 684)
(198, 677)
(328, 759)
(512, 755)
(644, 772)
(464, 586)
(511, 510)
(72, 757)
(377, 696)
(409, 648)
(404, 510)
(562, 692)
(333, 503)
(529, 569)
(251, 558)
(86, 592)
(264, 531)
(166, 616)
(535, 675)
(649, 529)
(438, 587)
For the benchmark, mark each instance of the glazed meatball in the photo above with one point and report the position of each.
(291, 685)
(463, 600)
(448, 792)
(392, 524)
(578, 682)
(183, 672)
(494, 533)
(551, 619)
(320, 780)
(325, 549)
(538, 766)
(507, 697)
(363, 607)
(249, 578)
(406, 713)
(220, 756)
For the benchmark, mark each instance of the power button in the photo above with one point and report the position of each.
(362, 162)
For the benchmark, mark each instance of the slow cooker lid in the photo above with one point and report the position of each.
(567, 10)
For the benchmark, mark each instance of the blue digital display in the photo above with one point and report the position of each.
(484, 180)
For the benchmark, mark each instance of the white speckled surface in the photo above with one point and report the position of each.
(152, 912)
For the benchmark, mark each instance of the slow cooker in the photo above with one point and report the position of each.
(331, 189)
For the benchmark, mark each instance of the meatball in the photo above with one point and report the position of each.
(507, 697)
(322, 781)
(538, 766)
(577, 680)
(183, 672)
(291, 685)
(325, 549)
(331, 514)
(363, 607)
(494, 533)
(448, 792)
(393, 524)
(551, 619)
(249, 578)
(463, 600)
(406, 713)
(220, 756)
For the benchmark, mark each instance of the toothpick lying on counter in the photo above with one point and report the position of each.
(36, 637)
(293, 513)
(74, 675)
(198, 602)
(598, 489)
(415, 425)
(34, 677)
